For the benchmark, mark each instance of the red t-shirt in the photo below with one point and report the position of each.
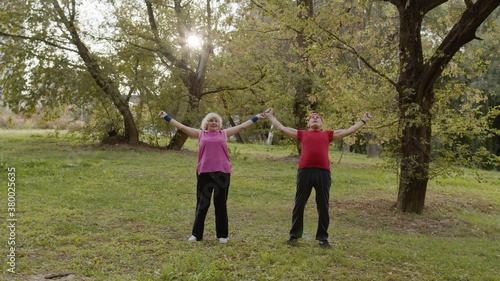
(314, 149)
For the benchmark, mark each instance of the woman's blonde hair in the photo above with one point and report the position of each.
(211, 115)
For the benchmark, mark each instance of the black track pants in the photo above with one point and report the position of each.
(321, 180)
(218, 184)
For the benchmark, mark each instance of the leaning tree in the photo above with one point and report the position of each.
(47, 38)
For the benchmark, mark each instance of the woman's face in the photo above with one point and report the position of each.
(213, 125)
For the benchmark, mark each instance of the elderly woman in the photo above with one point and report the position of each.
(213, 171)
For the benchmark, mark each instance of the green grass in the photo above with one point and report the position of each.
(124, 213)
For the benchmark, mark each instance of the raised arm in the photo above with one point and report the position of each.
(192, 132)
(290, 132)
(236, 129)
(338, 134)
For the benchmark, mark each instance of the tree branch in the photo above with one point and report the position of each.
(353, 51)
(156, 37)
(429, 5)
(36, 39)
(462, 33)
(207, 48)
(222, 89)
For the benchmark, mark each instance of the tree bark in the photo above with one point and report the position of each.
(414, 167)
(373, 149)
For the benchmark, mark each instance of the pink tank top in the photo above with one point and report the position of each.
(212, 153)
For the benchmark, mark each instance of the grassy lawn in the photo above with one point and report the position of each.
(125, 213)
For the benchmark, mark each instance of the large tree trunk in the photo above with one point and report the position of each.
(414, 116)
(131, 134)
(239, 139)
(414, 168)
(177, 141)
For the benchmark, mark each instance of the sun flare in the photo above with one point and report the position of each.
(194, 41)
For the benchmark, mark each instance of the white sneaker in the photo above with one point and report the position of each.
(223, 240)
(192, 239)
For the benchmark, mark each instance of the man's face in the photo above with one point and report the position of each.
(315, 121)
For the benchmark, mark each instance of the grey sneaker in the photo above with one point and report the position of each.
(192, 239)
(292, 241)
(324, 244)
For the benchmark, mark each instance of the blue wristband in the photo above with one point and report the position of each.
(255, 118)
(168, 118)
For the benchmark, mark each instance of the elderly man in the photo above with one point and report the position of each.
(313, 171)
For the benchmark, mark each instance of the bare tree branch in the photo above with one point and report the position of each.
(462, 33)
(353, 51)
(37, 39)
(161, 48)
(223, 89)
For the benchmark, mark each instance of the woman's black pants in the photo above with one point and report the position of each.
(218, 184)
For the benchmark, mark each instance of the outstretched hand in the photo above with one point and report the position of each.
(161, 114)
(268, 112)
(263, 115)
(367, 117)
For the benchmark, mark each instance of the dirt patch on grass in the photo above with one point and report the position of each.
(287, 159)
(441, 216)
(123, 146)
(144, 147)
(49, 276)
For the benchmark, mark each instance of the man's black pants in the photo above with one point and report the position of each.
(321, 180)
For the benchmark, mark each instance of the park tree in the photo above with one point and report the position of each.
(191, 72)
(479, 64)
(49, 43)
(415, 87)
